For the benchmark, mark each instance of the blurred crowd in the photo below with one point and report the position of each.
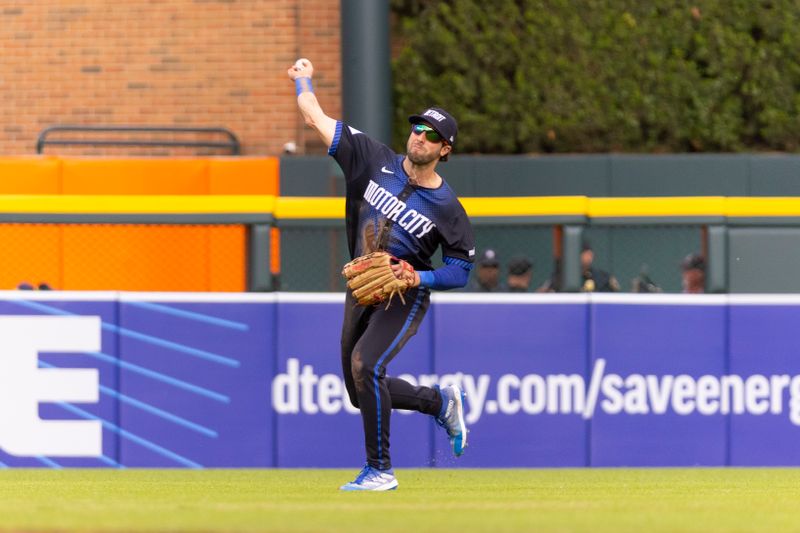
(490, 275)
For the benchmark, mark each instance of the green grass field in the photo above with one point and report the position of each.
(443, 501)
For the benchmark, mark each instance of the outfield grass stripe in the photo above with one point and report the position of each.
(190, 315)
(433, 500)
(160, 450)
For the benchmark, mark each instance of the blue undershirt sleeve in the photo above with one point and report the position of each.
(454, 274)
(336, 136)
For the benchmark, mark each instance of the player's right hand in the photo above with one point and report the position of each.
(301, 69)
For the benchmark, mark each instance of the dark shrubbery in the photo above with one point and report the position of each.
(527, 76)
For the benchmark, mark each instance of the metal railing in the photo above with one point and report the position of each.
(230, 143)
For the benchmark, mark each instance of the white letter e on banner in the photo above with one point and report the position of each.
(23, 386)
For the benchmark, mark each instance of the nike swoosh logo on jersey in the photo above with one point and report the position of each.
(386, 170)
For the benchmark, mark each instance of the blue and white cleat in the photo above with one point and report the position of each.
(372, 479)
(452, 418)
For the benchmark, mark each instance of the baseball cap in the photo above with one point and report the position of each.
(489, 259)
(518, 266)
(693, 261)
(441, 121)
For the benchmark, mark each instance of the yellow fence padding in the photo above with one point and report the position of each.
(213, 257)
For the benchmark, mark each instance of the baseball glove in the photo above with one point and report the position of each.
(372, 280)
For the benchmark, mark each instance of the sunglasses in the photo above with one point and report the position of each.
(430, 134)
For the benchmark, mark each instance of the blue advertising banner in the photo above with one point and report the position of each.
(184, 380)
(197, 374)
(765, 366)
(522, 367)
(655, 375)
(65, 356)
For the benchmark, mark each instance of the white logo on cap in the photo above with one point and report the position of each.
(435, 114)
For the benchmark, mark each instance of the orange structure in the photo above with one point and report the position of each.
(142, 257)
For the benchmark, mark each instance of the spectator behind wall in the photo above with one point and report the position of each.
(553, 284)
(643, 283)
(592, 279)
(520, 273)
(487, 273)
(693, 274)
(25, 286)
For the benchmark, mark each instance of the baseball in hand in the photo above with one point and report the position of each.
(300, 64)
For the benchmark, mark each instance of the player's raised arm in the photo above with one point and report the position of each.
(301, 72)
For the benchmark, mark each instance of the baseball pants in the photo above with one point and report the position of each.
(371, 337)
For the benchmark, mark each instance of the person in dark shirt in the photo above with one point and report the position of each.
(398, 204)
(693, 274)
(520, 273)
(487, 274)
(592, 279)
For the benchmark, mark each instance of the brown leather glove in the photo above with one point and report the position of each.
(373, 281)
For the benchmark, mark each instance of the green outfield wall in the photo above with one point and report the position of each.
(745, 253)
(587, 175)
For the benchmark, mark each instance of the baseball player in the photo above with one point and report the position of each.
(400, 205)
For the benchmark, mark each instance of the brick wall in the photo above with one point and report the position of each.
(165, 62)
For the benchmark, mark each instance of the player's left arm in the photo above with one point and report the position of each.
(458, 251)
(453, 275)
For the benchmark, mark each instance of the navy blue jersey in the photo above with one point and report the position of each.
(386, 212)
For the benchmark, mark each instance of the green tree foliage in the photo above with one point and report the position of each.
(526, 76)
